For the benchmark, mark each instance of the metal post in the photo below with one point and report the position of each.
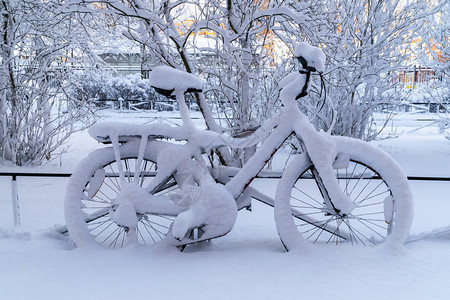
(15, 201)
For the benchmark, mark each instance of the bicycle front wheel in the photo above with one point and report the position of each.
(368, 176)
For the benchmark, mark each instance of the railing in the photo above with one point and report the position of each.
(15, 198)
(14, 188)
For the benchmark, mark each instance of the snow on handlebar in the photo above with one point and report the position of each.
(310, 57)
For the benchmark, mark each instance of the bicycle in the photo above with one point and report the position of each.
(338, 190)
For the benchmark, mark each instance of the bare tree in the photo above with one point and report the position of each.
(242, 47)
(38, 50)
(235, 45)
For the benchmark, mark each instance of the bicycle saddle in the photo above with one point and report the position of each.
(168, 81)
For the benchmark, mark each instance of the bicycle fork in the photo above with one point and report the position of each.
(323, 154)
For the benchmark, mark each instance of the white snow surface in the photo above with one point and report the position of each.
(248, 263)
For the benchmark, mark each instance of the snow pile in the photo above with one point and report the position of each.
(214, 212)
(213, 208)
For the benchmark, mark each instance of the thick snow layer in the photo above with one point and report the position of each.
(214, 211)
(313, 55)
(248, 263)
(169, 78)
(292, 86)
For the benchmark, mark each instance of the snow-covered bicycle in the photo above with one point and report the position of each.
(155, 185)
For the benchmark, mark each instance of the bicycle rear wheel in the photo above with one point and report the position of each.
(371, 179)
(90, 194)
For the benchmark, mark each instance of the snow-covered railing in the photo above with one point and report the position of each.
(258, 196)
(14, 188)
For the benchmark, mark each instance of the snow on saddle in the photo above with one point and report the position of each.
(168, 81)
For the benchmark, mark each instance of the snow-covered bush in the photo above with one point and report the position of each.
(366, 43)
(436, 54)
(90, 86)
(102, 86)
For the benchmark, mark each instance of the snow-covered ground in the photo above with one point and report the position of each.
(249, 262)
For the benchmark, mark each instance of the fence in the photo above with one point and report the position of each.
(130, 70)
(412, 78)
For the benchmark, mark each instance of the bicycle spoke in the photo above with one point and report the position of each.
(161, 225)
(310, 197)
(143, 177)
(372, 204)
(309, 214)
(348, 179)
(117, 229)
(362, 190)
(353, 237)
(100, 224)
(114, 242)
(92, 200)
(369, 214)
(373, 230)
(128, 171)
(372, 222)
(359, 179)
(334, 235)
(113, 188)
(106, 196)
(123, 239)
(111, 223)
(305, 207)
(321, 227)
(361, 234)
(117, 183)
(151, 236)
(101, 199)
(304, 202)
(140, 234)
(370, 196)
(352, 232)
(308, 223)
(159, 233)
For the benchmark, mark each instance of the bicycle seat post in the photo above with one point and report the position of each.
(174, 83)
(183, 108)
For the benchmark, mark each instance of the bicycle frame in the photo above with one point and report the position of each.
(278, 129)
